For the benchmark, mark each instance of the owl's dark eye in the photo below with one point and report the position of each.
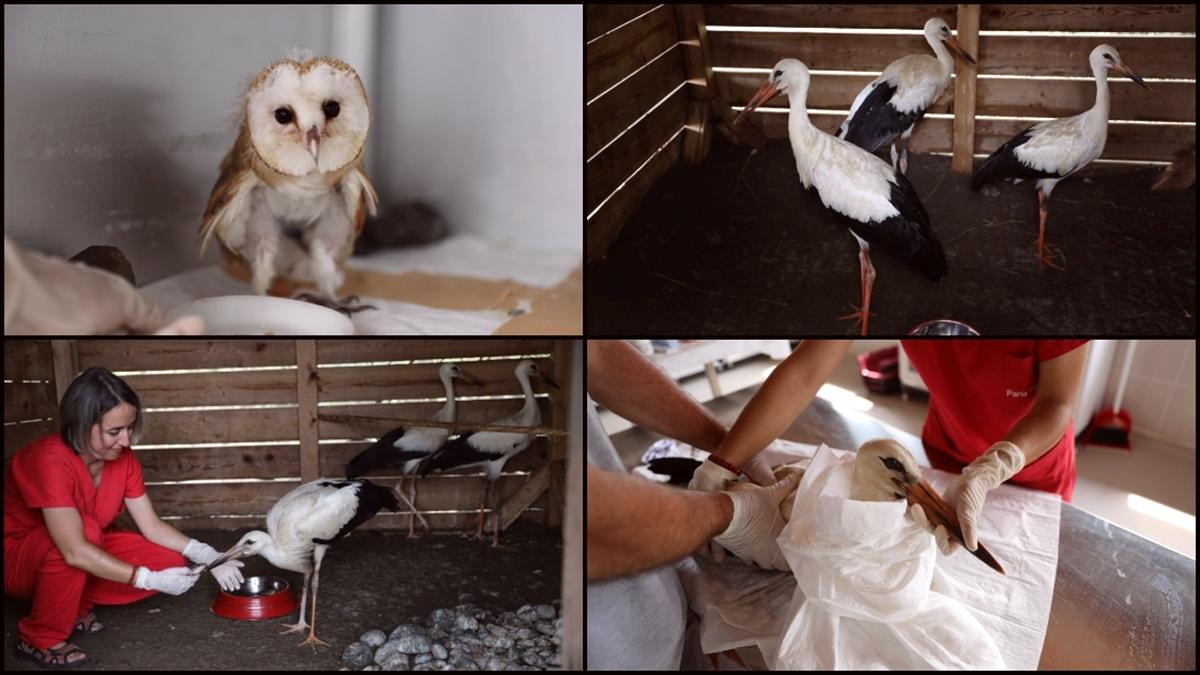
(332, 109)
(283, 115)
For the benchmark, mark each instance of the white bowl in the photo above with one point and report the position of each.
(263, 315)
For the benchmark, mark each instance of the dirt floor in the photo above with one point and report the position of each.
(738, 246)
(369, 580)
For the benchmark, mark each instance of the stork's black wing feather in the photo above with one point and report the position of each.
(678, 469)
(371, 498)
(458, 452)
(1003, 163)
(908, 234)
(382, 453)
(876, 122)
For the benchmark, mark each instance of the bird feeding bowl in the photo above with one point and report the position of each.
(263, 315)
(943, 327)
(258, 599)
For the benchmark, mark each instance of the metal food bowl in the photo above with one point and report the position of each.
(943, 327)
(258, 599)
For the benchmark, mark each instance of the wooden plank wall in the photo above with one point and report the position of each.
(241, 482)
(30, 402)
(1034, 57)
(634, 66)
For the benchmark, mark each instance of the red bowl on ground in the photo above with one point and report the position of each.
(258, 599)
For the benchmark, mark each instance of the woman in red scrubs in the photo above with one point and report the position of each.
(999, 410)
(61, 495)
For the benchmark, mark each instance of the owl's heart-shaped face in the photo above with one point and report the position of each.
(308, 117)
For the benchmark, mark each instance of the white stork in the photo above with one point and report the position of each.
(302, 525)
(1052, 150)
(491, 449)
(407, 446)
(888, 108)
(876, 202)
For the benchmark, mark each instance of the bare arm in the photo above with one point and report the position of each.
(153, 527)
(781, 399)
(1058, 386)
(634, 525)
(623, 380)
(66, 529)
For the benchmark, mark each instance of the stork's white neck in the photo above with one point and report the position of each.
(944, 57)
(530, 401)
(1100, 71)
(448, 411)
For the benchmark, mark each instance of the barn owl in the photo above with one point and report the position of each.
(292, 195)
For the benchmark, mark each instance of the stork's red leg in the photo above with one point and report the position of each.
(1046, 253)
(482, 504)
(866, 276)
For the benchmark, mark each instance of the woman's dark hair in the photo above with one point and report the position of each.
(95, 392)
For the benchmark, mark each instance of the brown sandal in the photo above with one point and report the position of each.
(55, 658)
(88, 624)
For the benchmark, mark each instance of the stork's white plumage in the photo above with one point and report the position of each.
(876, 201)
(492, 449)
(407, 446)
(302, 525)
(888, 108)
(1052, 150)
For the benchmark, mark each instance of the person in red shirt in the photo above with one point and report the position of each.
(999, 410)
(61, 495)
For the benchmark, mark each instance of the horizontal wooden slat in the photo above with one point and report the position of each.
(606, 117)
(827, 16)
(436, 493)
(17, 436)
(442, 524)
(373, 383)
(125, 355)
(349, 351)
(29, 401)
(375, 422)
(603, 227)
(1060, 55)
(618, 162)
(222, 426)
(830, 92)
(931, 135)
(1125, 17)
(176, 464)
(817, 51)
(335, 456)
(599, 19)
(28, 360)
(258, 386)
(613, 57)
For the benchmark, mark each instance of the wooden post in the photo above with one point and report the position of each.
(306, 410)
(561, 400)
(572, 606)
(964, 89)
(66, 364)
(697, 138)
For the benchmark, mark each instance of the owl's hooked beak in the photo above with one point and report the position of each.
(313, 142)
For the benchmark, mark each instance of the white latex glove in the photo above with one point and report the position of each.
(756, 523)
(1001, 462)
(48, 295)
(944, 543)
(712, 478)
(173, 580)
(227, 574)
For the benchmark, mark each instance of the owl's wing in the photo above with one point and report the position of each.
(359, 195)
(229, 203)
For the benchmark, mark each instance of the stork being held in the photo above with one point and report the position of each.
(302, 525)
(491, 449)
(407, 446)
(1052, 150)
(888, 108)
(874, 200)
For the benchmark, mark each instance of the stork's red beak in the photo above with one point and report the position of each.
(764, 94)
(463, 375)
(957, 48)
(1128, 72)
(938, 512)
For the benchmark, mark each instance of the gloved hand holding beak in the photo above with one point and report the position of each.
(968, 493)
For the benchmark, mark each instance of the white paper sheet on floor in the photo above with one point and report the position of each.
(743, 605)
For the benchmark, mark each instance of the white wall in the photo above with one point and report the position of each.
(485, 118)
(1161, 394)
(116, 119)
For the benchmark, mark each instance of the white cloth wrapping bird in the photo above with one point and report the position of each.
(866, 569)
(738, 610)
